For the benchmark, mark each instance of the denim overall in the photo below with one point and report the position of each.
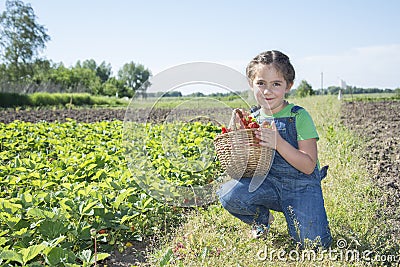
(285, 189)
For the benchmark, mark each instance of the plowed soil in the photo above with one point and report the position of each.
(96, 115)
(378, 123)
(60, 115)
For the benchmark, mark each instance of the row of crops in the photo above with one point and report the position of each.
(65, 185)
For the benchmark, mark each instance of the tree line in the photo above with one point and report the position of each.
(305, 89)
(23, 70)
(334, 90)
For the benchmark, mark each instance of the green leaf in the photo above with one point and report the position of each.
(87, 209)
(57, 255)
(166, 258)
(31, 252)
(121, 197)
(11, 255)
(52, 229)
(20, 169)
(39, 213)
(129, 217)
(147, 202)
(9, 207)
(17, 162)
(90, 167)
(9, 219)
(3, 240)
(21, 233)
(34, 175)
(100, 175)
(26, 199)
(101, 256)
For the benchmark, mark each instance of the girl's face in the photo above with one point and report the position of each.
(269, 87)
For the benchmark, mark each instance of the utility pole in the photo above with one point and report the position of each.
(322, 81)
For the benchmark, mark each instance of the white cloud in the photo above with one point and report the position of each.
(368, 67)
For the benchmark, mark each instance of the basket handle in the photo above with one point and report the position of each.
(237, 116)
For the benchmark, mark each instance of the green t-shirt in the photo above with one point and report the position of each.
(304, 124)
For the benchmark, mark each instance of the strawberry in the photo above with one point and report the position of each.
(253, 125)
(244, 121)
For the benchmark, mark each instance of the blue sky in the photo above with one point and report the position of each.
(357, 41)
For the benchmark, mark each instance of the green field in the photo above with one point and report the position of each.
(66, 186)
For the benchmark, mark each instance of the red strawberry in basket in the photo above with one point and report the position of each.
(253, 124)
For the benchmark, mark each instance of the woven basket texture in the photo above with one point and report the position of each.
(241, 156)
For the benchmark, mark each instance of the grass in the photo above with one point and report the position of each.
(212, 237)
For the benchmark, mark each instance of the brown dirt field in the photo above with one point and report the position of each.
(60, 115)
(96, 115)
(378, 123)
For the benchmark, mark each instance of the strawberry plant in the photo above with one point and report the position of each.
(61, 181)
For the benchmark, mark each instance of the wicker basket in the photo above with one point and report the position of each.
(241, 156)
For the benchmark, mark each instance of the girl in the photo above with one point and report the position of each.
(293, 185)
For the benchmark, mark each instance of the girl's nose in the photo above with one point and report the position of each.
(267, 91)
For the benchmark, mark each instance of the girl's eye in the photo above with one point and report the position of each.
(260, 83)
(276, 84)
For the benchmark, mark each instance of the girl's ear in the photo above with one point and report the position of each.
(289, 86)
(250, 83)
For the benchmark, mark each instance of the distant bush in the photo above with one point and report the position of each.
(14, 100)
(11, 100)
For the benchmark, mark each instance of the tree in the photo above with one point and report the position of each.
(133, 76)
(21, 38)
(73, 80)
(304, 89)
(113, 86)
(103, 71)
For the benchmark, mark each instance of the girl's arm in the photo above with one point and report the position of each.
(303, 159)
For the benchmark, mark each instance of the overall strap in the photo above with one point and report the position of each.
(255, 108)
(295, 109)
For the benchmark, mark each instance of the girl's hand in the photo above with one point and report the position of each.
(267, 135)
(240, 114)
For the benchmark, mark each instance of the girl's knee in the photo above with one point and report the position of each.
(232, 197)
(230, 189)
(226, 195)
